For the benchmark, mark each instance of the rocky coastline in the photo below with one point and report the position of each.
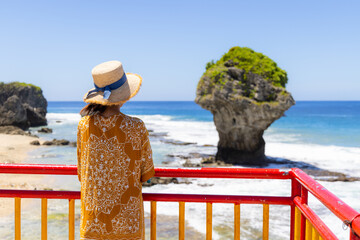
(22, 105)
(197, 159)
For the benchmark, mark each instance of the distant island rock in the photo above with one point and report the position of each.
(22, 105)
(245, 91)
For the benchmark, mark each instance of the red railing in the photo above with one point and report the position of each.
(344, 212)
(305, 224)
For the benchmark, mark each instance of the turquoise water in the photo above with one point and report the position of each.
(320, 131)
(328, 123)
(323, 134)
(319, 122)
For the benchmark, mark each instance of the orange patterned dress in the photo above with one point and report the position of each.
(114, 157)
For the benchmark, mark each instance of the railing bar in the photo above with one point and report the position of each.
(297, 225)
(236, 221)
(46, 169)
(14, 193)
(328, 199)
(181, 220)
(315, 234)
(243, 199)
(302, 227)
(58, 169)
(43, 219)
(317, 223)
(265, 221)
(71, 219)
(250, 173)
(153, 221)
(17, 218)
(333, 203)
(292, 222)
(208, 221)
(308, 230)
(304, 200)
(295, 191)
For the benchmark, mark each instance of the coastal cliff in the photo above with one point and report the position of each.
(22, 105)
(245, 91)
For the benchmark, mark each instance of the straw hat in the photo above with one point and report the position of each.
(112, 85)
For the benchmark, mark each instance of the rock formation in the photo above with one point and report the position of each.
(45, 130)
(22, 105)
(57, 142)
(245, 91)
(12, 130)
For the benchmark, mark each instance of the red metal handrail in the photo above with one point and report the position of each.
(51, 169)
(16, 193)
(333, 203)
(161, 197)
(249, 173)
(309, 214)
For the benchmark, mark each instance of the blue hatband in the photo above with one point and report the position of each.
(107, 89)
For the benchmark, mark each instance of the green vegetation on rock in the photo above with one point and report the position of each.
(248, 60)
(19, 84)
(15, 85)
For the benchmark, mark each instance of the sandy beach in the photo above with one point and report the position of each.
(15, 149)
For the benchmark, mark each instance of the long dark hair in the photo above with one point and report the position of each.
(92, 109)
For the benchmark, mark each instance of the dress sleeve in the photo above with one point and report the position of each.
(78, 146)
(147, 165)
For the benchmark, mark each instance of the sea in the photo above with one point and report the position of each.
(323, 134)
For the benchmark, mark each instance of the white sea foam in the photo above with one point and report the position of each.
(335, 158)
(278, 144)
(288, 146)
(63, 118)
(223, 213)
(199, 132)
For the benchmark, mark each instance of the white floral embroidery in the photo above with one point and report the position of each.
(133, 130)
(111, 167)
(105, 124)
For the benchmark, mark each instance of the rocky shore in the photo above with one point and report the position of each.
(196, 159)
(192, 160)
(22, 105)
(13, 130)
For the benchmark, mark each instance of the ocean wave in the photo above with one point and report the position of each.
(182, 130)
(333, 158)
(63, 118)
(223, 213)
(281, 145)
(278, 144)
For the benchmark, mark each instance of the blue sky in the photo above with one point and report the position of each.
(55, 44)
